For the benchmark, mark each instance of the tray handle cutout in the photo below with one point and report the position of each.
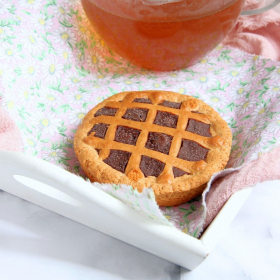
(47, 190)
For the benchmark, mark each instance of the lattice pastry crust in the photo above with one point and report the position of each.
(170, 142)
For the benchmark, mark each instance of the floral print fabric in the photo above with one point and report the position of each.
(54, 68)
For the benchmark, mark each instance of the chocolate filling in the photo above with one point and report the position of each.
(136, 114)
(118, 160)
(159, 142)
(142, 100)
(151, 167)
(100, 130)
(192, 151)
(199, 128)
(106, 111)
(127, 135)
(178, 172)
(166, 119)
(169, 104)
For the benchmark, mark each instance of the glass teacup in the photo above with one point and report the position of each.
(164, 35)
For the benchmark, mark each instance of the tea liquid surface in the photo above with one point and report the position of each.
(165, 44)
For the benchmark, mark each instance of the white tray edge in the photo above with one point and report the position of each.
(94, 207)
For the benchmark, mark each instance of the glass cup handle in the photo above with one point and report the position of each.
(259, 11)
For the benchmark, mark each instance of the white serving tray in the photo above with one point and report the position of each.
(55, 189)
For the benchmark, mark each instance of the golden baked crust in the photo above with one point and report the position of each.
(169, 191)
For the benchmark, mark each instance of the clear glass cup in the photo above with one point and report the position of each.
(164, 35)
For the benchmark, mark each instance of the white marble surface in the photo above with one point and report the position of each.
(38, 244)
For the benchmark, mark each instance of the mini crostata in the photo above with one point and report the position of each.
(163, 140)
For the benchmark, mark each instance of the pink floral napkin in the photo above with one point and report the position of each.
(54, 68)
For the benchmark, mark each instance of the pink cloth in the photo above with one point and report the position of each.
(258, 34)
(10, 139)
(266, 168)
